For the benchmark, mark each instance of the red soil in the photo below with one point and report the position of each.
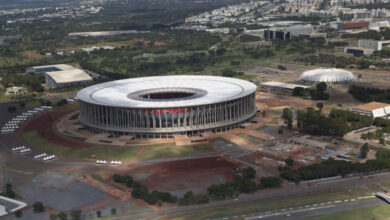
(274, 103)
(44, 125)
(186, 174)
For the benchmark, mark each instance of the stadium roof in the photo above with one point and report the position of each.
(332, 75)
(69, 75)
(206, 89)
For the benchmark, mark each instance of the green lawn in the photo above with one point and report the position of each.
(173, 151)
(250, 137)
(261, 127)
(106, 152)
(74, 117)
(33, 139)
(245, 76)
(269, 205)
(101, 151)
(377, 212)
(274, 120)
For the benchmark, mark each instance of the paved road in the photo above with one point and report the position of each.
(319, 211)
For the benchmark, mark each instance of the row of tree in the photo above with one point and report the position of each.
(331, 168)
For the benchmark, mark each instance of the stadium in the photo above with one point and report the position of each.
(332, 75)
(165, 106)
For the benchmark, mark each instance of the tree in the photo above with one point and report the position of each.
(288, 117)
(9, 192)
(289, 162)
(62, 216)
(53, 217)
(321, 87)
(75, 214)
(228, 73)
(99, 213)
(298, 91)
(18, 213)
(249, 172)
(113, 211)
(364, 150)
(320, 105)
(38, 207)
(264, 113)
(269, 182)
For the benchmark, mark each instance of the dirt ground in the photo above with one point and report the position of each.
(44, 125)
(179, 176)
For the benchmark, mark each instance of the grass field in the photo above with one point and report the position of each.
(245, 76)
(106, 152)
(250, 137)
(268, 205)
(33, 139)
(101, 151)
(173, 151)
(378, 212)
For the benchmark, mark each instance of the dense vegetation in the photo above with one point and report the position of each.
(371, 34)
(330, 168)
(369, 94)
(242, 183)
(337, 123)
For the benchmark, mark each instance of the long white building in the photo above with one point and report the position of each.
(61, 75)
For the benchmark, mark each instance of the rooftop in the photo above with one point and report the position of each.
(283, 85)
(70, 75)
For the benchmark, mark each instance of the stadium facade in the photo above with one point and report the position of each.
(165, 106)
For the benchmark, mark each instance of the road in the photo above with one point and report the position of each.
(318, 211)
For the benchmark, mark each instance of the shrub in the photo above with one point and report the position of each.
(38, 207)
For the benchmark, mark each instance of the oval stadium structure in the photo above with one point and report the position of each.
(165, 106)
(332, 75)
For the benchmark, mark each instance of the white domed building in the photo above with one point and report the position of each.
(332, 75)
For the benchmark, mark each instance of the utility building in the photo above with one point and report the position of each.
(61, 75)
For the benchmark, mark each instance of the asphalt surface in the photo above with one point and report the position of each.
(319, 211)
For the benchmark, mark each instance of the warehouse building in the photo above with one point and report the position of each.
(374, 109)
(286, 33)
(61, 75)
(280, 87)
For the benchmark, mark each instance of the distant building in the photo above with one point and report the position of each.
(358, 50)
(15, 90)
(356, 25)
(374, 109)
(285, 33)
(2, 210)
(306, 141)
(280, 86)
(90, 49)
(332, 75)
(61, 75)
(365, 47)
